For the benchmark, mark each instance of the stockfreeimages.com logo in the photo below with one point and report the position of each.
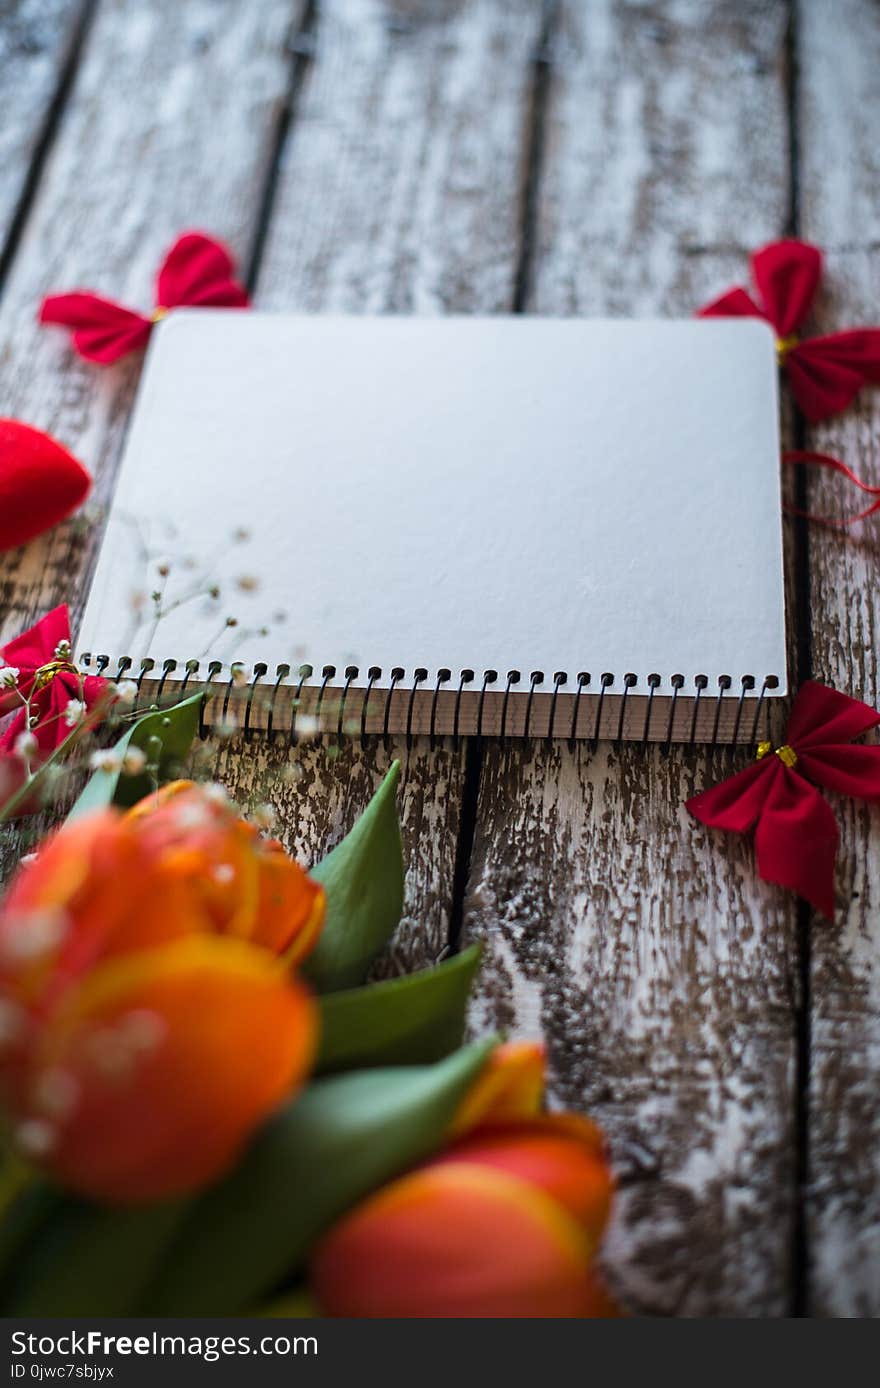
(90, 1344)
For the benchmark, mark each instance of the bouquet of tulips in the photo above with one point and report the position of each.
(208, 1108)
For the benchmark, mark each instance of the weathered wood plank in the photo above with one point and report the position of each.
(839, 58)
(400, 189)
(170, 123)
(398, 192)
(35, 43)
(658, 967)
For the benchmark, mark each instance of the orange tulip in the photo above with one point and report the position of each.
(148, 1016)
(511, 1085)
(505, 1222)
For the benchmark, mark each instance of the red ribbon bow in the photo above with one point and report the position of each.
(196, 273)
(47, 678)
(795, 829)
(825, 373)
(797, 456)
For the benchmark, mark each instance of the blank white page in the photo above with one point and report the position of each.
(469, 493)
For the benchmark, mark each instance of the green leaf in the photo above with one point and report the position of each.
(294, 1305)
(88, 1260)
(400, 1021)
(343, 1138)
(23, 1219)
(363, 879)
(174, 727)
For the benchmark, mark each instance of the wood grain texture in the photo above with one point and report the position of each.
(398, 192)
(170, 123)
(660, 970)
(839, 59)
(35, 41)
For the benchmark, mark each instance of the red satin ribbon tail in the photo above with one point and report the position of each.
(736, 803)
(787, 275)
(796, 842)
(101, 330)
(802, 457)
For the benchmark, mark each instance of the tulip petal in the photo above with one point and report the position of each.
(562, 1154)
(291, 907)
(174, 1055)
(511, 1085)
(84, 869)
(454, 1240)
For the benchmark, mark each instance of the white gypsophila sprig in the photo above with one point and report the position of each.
(9, 676)
(124, 692)
(25, 745)
(105, 760)
(74, 712)
(134, 761)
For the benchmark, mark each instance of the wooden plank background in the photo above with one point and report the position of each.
(435, 156)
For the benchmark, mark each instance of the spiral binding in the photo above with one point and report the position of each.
(583, 681)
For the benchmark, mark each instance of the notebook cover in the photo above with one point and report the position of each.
(462, 493)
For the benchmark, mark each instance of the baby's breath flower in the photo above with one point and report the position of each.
(13, 1021)
(248, 583)
(62, 650)
(33, 934)
(134, 761)
(105, 760)
(240, 676)
(125, 692)
(143, 1030)
(9, 676)
(264, 816)
(216, 794)
(35, 1138)
(55, 1093)
(26, 744)
(74, 712)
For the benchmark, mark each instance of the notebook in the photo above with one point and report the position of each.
(500, 527)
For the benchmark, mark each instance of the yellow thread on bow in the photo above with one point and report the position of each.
(159, 314)
(786, 754)
(784, 346)
(46, 673)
